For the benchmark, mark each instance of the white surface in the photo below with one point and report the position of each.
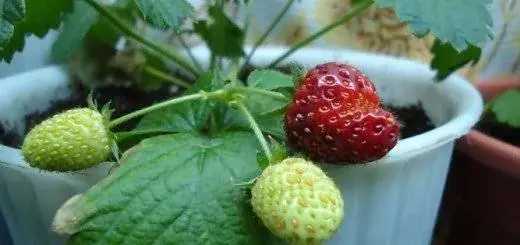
(395, 200)
(30, 92)
(29, 198)
(35, 55)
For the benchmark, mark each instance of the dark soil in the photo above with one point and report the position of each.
(413, 119)
(490, 126)
(127, 99)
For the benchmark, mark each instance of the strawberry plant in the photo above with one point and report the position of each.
(225, 162)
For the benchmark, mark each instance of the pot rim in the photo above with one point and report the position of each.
(487, 149)
(466, 113)
(492, 152)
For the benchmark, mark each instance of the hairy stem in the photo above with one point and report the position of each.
(268, 31)
(275, 95)
(233, 73)
(131, 33)
(349, 15)
(178, 100)
(256, 129)
(164, 76)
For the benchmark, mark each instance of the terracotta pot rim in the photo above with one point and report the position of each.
(484, 148)
(492, 152)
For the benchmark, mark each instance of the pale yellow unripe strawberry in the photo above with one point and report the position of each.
(72, 140)
(298, 202)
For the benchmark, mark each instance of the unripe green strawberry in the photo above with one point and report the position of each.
(72, 140)
(298, 202)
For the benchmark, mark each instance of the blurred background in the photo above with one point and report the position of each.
(376, 31)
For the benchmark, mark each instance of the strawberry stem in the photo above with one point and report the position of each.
(164, 76)
(131, 33)
(358, 8)
(178, 100)
(275, 95)
(255, 127)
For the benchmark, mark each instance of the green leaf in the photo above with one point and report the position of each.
(222, 36)
(183, 117)
(447, 59)
(459, 22)
(269, 79)
(279, 152)
(84, 28)
(165, 14)
(268, 111)
(260, 104)
(40, 17)
(74, 29)
(102, 31)
(125, 140)
(506, 109)
(175, 189)
(270, 123)
(11, 11)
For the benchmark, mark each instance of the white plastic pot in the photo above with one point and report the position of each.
(394, 201)
(29, 197)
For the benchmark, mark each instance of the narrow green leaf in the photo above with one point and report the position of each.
(165, 14)
(183, 117)
(506, 109)
(447, 59)
(223, 37)
(40, 17)
(74, 29)
(461, 22)
(175, 189)
(269, 79)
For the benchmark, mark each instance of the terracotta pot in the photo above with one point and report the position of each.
(481, 203)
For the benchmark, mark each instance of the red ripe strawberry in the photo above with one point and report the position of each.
(336, 116)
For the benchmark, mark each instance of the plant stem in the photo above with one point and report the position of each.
(164, 76)
(354, 12)
(256, 129)
(212, 62)
(268, 31)
(233, 72)
(190, 54)
(130, 32)
(275, 95)
(249, 14)
(191, 97)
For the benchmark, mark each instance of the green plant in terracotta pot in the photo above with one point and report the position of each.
(236, 153)
(480, 205)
